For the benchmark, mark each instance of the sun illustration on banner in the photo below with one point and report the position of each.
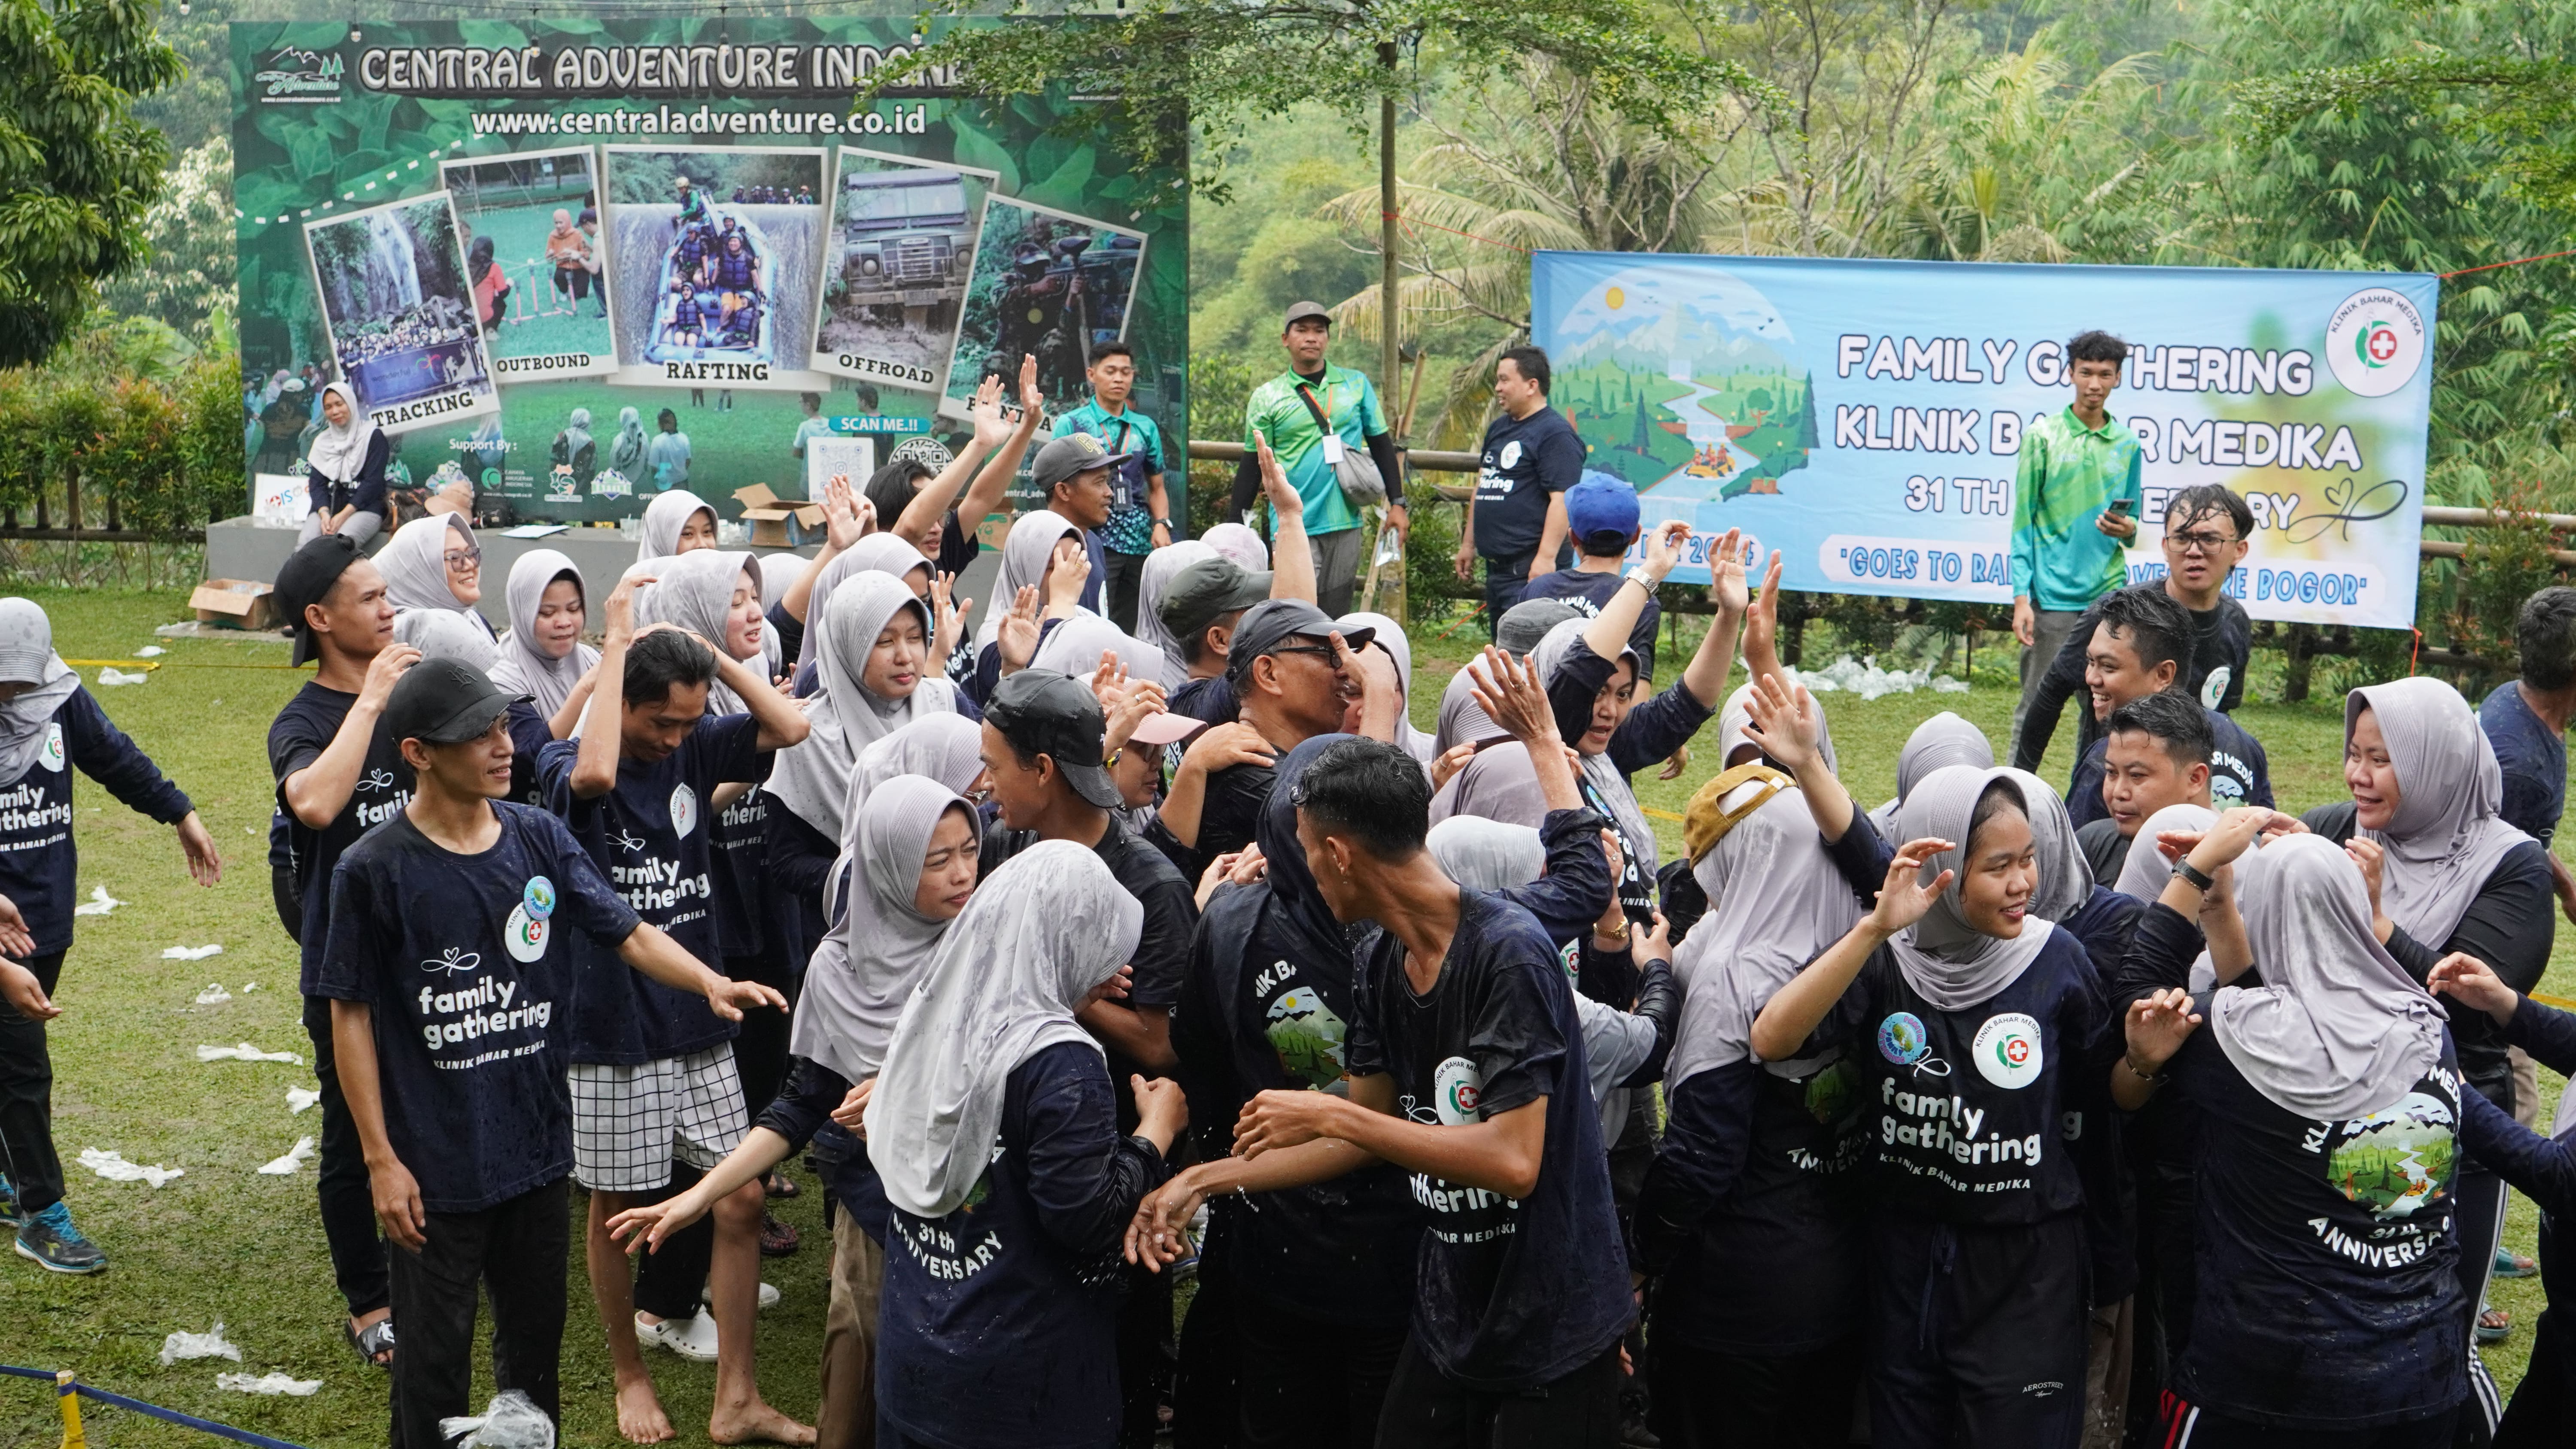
(1678, 380)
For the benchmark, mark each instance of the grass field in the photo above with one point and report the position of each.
(518, 236)
(225, 1243)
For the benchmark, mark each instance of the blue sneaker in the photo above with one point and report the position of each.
(9, 1214)
(49, 1240)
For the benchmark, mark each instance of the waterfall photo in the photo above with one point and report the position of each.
(402, 312)
(899, 252)
(535, 217)
(714, 253)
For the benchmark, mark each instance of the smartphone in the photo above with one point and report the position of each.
(2120, 507)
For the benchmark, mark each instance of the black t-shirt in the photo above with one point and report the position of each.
(999, 1321)
(743, 900)
(2239, 774)
(1509, 1295)
(299, 735)
(1231, 811)
(2222, 640)
(1590, 594)
(468, 962)
(2106, 850)
(39, 869)
(1525, 461)
(957, 545)
(652, 837)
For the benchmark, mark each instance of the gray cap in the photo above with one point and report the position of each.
(1300, 311)
(1268, 625)
(1073, 453)
(1207, 591)
(1527, 622)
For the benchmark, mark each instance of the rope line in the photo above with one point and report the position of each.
(2517, 261)
(120, 1401)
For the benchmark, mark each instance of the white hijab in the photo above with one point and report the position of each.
(1235, 542)
(27, 657)
(1074, 647)
(1948, 962)
(339, 454)
(843, 717)
(1002, 986)
(695, 591)
(2446, 838)
(414, 563)
(1775, 900)
(664, 517)
(1390, 637)
(854, 993)
(1487, 855)
(1028, 551)
(441, 634)
(1155, 577)
(523, 668)
(1944, 739)
(1550, 658)
(2337, 1029)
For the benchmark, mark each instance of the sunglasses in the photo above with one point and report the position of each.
(1318, 650)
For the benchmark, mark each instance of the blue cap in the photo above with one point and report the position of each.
(1600, 503)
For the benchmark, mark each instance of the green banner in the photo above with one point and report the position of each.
(579, 262)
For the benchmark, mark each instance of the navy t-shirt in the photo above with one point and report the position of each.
(1525, 462)
(468, 962)
(1589, 594)
(743, 900)
(2238, 773)
(999, 1321)
(2534, 758)
(653, 838)
(1509, 1294)
(301, 732)
(39, 869)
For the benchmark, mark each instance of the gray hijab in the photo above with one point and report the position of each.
(2065, 881)
(857, 982)
(445, 634)
(1390, 637)
(1498, 783)
(27, 657)
(1948, 962)
(1074, 647)
(844, 717)
(880, 553)
(1238, 544)
(2445, 839)
(414, 563)
(523, 668)
(695, 591)
(664, 517)
(1155, 577)
(1604, 778)
(1775, 900)
(2338, 1029)
(1028, 551)
(1001, 986)
(1487, 855)
(1944, 739)
(948, 748)
(1461, 720)
(2144, 873)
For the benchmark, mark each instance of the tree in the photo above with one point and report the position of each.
(77, 171)
(186, 277)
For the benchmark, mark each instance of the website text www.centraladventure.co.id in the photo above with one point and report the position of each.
(901, 119)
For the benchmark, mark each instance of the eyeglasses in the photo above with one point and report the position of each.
(1318, 650)
(458, 558)
(2198, 542)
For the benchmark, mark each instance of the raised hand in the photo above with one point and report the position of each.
(1446, 765)
(620, 611)
(2157, 1026)
(949, 611)
(1065, 578)
(2466, 979)
(1664, 552)
(991, 428)
(845, 521)
(1784, 724)
(1284, 500)
(1129, 706)
(1907, 898)
(1032, 396)
(1016, 633)
(1509, 692)
(1762, 620)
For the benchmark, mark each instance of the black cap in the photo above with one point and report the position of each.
(1275, 622)
(1207, 591)
(1042, 712)
(306, 579)
(1072, 454)
(1527, 622)
(442, 701)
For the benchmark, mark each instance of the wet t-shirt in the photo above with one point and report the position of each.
(1509, 1294)
(652, 835)
(39, 869)
(299, 735)
(2239, 774)
(468, 964)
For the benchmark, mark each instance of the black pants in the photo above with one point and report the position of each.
(516, 1252)
(1708, 1398)
(1126, 573)
(27, 1099)
(1144, 1354)
(2477, 1216)
(760, 1052)
(1504, 580)
(348, 1205)
(1205, 1383)
(2545, 1404)
(2166, 1285)
(1312, 1382)
(670, 1278)
(1978, 1334)
(1426, 1410)
(2190, 1428)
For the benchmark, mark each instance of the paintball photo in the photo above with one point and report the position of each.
(537, 256)
(400, 312)
(899, 255)
(716, 252)
(1045, 283)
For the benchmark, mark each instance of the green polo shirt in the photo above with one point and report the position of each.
(2069, 475)
(1349, 401)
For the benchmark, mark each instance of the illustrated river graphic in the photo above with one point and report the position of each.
(1717, 459)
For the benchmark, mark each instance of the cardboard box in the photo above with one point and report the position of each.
(235, 604)
(775, 522)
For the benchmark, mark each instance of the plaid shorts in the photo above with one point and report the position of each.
(629, 1122)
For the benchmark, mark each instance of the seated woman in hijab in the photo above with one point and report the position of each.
(434, 563)
(345, 468)
(2332, 1125)
(994, 1128)
(1979, 1026)
(543, 657)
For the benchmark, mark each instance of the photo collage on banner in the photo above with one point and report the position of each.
(635, 259)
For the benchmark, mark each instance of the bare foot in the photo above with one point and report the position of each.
(756, 1423)
(640, 1419)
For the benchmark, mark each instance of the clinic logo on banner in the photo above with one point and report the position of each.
(2375, 342)
(2007, 1050)
(1456, 1087)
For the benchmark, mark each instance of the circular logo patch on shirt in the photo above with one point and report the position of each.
(51, 757)
(539, 898)
(1456, 1088)
(524, 935)
(684, 811)
(1902, 1039)
(1571, 958)
(2214, 688)
(1511, 454)
(2007, 1050)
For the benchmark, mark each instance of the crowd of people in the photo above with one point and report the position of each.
(1075, 957)
(428, 323)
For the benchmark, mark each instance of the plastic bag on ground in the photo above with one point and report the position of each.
(98, 904)
(110, 674)
(510, 1421)
(150, 651)
(114, 1167)
(269, 1384)
(246, 1053)
(190, 953)
(214, 994)
(184, 1345)
(300, 1153)
(299, 1098)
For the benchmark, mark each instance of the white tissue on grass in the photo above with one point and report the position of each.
(183, 1345)
(114, 1167)
(249, 987)
(110, 674)
(299, 1098)
(214, 994)
(269, 1384)
(511, 1421)
(300, 1153)
(1944, 684)
(98, 904)
(150, 651)
(245, 1053)
(190, 953)
(1866, 679)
